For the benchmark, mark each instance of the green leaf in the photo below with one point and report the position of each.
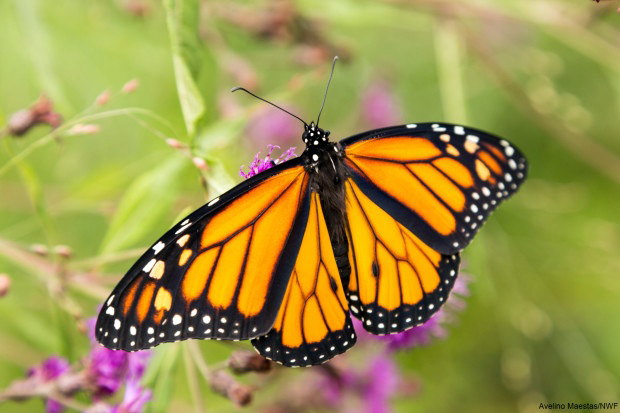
(145, 203)
(182, 18)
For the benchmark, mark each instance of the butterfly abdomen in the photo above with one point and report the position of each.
(327, 177)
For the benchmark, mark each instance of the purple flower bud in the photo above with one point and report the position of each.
(50, 369)
(259, 165)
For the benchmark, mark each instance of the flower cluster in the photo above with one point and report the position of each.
(259, 164)
(49, 370)
(369, 389)
(101, 374)
(107, 370)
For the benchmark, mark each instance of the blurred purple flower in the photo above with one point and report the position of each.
(259, 165)
(49, 370)
(382, 384)
(110, 369)
(271, 125)
(373, 386)
(134, 400)
(379, 106)
(106, 369)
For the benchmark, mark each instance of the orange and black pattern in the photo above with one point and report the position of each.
(441, 181)
(220, 273)
(313, 324)
(396, 280)
(372, 224)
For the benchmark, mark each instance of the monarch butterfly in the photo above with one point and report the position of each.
(371, 225)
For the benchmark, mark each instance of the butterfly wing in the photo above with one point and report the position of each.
(313, 324)
(220, 273)
(396, 281)
(440, 181)
(415, 196)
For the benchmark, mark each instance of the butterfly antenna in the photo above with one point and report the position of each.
(326, 89)
(266, 101)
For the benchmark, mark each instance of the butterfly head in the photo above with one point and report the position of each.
(314, 136)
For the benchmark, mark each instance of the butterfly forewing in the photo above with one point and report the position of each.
(220, 273)
(441, 181)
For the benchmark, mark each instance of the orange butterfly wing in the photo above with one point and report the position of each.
(440, 181)
(396, 280)
(416, 196)
(313, 324)
(220, 273)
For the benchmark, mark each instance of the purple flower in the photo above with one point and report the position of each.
(259, 165)
(109, 369)
(382, 384)
(372, 387)
(379, 107)
(49, 370)
(134, 400)
(270, 125)
(106, 369)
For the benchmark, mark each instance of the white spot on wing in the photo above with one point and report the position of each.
(183, 228)
(158, 247)
(177, 319)
(149, 265)
(213, 201)
(459, 130)
(110, 311)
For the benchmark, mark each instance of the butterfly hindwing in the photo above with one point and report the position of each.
(441, 181)
(396, 280)
(220, 273)
(313, 324)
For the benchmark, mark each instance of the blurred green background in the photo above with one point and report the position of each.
(541, 322)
